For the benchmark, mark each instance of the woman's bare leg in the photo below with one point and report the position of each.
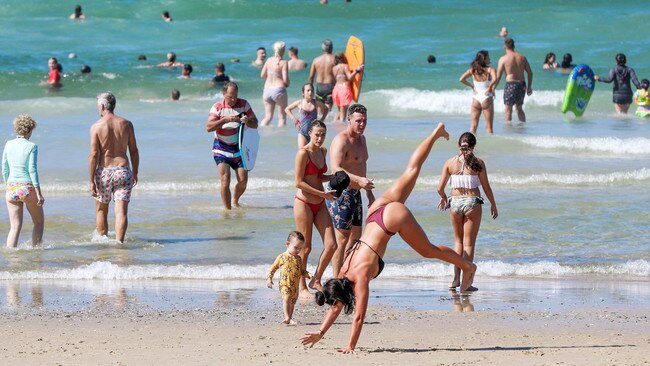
(457, 221)
(488, 113)
(15, 210)
(401, 189)
(324, 226)
(304, 222)
(268, 112)
(282, 104)
(398, 217)
(475, 115)
(38, 218)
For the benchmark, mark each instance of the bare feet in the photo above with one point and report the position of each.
(290, 322)
(315, 284)
(468, 278)
(441, 132)
(455, 283)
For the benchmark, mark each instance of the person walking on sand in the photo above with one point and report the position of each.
(342, 92)
(483, 97)
(225, 119)
(321, 68)
(513, 64)
(349, 152)
(108, 165)
(621, 75)
(388, 215)
(20, 173)
(466, 174)
(291, 271)
(308, 108)
(275, 73)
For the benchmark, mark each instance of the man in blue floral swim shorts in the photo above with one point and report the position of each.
(349, 152)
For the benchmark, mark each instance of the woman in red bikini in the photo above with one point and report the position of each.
(309, 208)
(387, 216)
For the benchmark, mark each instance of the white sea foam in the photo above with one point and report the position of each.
(451, 102)
(633, 146)
(110, 271)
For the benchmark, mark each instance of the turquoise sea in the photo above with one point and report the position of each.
(572, 193)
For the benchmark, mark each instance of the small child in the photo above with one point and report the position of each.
(290, 274)
(642, 99)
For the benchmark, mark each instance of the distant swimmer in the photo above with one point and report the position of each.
(112, 143)
(504, 32)
(295, 63)
(20, 174)
(171, 61)
(225, 119)
(166, 17)
(260, 57)
(220, 76)
(431, 59)
(85, 69)
(276, 75)
(514, 65)
(142, 57)
(482, 97)
(321, 68)
(549, 61)
(176, 94)
(77, 14)
(566, 66)
(621, 75)
(54, 76)
(186, 72)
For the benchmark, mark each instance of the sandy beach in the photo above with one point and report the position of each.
(120, 330)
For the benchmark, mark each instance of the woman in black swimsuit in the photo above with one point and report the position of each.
(387, 215)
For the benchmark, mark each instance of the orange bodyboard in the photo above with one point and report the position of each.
(355, 58)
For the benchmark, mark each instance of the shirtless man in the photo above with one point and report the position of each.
(171, 61)
(108, 165)
(514, 64)
(295, 63)
(349, 152)
(260, 57)
(322, 65)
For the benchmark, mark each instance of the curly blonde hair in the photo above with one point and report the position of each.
(24, 124)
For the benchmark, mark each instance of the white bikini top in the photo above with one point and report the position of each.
(464, 181)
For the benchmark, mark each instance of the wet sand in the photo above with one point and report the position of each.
(235, 327)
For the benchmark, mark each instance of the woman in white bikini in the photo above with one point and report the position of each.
(276, 74)
(466, 174)
(482, 100)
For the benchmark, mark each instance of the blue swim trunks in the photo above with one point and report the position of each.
(234, 163)
(347, 211)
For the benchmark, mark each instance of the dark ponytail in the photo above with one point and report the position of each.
(335, 290)
(466, 143)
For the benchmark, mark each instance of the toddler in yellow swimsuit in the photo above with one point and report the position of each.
(290, 274)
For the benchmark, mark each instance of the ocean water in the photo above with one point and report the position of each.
(572, 193)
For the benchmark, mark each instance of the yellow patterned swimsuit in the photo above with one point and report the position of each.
(289, 275)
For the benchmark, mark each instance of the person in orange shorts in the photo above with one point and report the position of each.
(342, 93)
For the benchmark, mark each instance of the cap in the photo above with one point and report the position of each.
(339, 181)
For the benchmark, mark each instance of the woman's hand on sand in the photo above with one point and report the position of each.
(346, 351)
(310, 339)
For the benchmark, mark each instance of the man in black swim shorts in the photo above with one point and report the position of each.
(514, 64)
(321, 68)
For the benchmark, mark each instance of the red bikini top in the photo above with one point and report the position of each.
(312, 169)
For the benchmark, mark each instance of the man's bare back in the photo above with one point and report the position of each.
(113, 135)
(514, 64)
(322, 66)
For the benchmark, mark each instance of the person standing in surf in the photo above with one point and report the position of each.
(483, 97)
(514, 64)
(467, 174)
(621, 75)
(308, 108)
(225, 119)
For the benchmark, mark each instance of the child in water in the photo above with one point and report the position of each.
(290, 274)
(642, 99)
